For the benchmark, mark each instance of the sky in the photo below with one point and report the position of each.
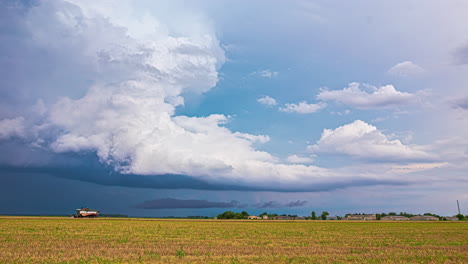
(150, 108)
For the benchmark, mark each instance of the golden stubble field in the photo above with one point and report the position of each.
(64, 240)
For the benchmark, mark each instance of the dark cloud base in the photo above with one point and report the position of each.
(170, 203)
(167, 181)
(85, 167)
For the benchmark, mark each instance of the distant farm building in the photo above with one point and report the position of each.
(424, 218)
(253, 217)
(394, 218)
(265, 217)
(332, 217)
(451, 218)
(365, 217)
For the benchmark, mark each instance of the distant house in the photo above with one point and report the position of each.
(424, 218)
(299, 218)
(451, 218)
(253, 217)
(394, 218)
(365, 217)
(265, 217)
(332, 217)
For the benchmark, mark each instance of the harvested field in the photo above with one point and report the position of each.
(63, 240)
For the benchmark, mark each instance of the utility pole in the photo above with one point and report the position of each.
(458, 205)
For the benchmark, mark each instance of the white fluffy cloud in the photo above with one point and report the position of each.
(267, 100)
(405, 69)
(137, 68)
(379, 97)
(302, 108)
(364, 141)
(127, 115)
(299, 159)
(12, 128)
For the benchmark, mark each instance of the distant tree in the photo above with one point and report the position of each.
(324, 215)
(460, 216)
(406, 214)
(272, 215)
(227, 215)
(264, 213)
(438, 216)
(245, 215)
(392, 213)
(238, 216)
(378, 216)
(314, 216)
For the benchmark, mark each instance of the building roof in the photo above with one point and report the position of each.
(424, 218)
(394, 217)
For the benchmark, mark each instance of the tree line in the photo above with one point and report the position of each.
(322, 216)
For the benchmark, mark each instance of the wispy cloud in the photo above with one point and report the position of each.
(266, 73)
(405, 69)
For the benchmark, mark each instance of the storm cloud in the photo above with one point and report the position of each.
(169, 203)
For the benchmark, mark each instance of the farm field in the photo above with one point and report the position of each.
(64, 240)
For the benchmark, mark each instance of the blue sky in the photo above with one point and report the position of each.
(265, 106)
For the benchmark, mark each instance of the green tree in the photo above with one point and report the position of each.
(314, 216)
(238, 216)
(245, 215)
(460, 216)
(378, 216)
(227, 215)
(324, 215)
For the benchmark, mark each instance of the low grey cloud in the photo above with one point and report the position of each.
(170, 203)
(461, 55)
(297, 203)
(461, 103)
(274, 204)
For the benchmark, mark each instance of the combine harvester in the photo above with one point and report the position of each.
(85, 213)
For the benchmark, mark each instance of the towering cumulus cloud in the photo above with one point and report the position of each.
(137, 69)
